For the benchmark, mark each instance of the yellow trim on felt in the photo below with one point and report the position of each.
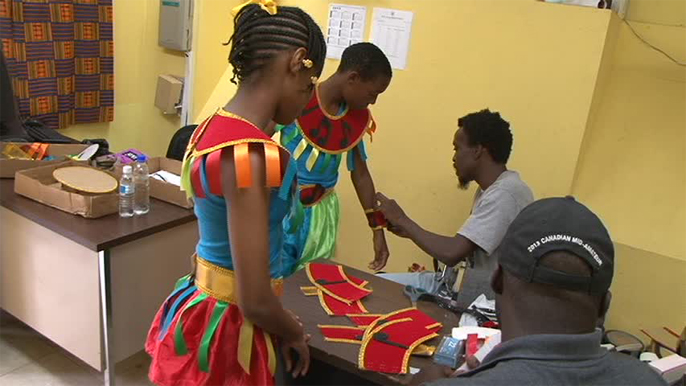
(362, 307)
(437, 324)
(368, 338)
(228, 114)
(223, 113)
(408, 353)
(340, 327)
(323, 289)
(337, 340)
(396, 312)
(309, 291)
(326, 113)
(326, 308)
(358, 286)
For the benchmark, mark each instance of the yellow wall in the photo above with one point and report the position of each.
(539, 86)
(138, 60)
(215, 26)
(632, 169)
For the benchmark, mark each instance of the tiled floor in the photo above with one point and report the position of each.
(28, 359)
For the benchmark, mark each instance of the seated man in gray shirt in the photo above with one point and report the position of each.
(556, 265)
(482, 145)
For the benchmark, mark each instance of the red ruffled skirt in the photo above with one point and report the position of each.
(195, 339)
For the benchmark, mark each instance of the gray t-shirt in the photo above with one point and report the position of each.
(569, 359)
(493, 211)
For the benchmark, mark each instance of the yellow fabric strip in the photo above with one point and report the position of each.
(245, 336)
(300, 149)
(312, 159)
(271, 354)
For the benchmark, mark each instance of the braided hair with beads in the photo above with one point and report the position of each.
(259, 36)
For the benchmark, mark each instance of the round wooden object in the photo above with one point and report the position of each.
(84, 179)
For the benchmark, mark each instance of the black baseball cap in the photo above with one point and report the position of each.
(558, 224)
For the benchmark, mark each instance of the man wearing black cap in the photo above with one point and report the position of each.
(555, 267)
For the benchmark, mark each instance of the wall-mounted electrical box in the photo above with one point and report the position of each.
(176, 24)
(168, 94)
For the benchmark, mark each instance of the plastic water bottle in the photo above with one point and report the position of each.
(126, 193)
(141, 176)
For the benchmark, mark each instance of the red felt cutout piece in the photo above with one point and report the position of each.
(389, 346)
(333, 135)
(333, 306)
(364, 320)
(332, 280)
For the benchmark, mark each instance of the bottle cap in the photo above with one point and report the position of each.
(142, 158)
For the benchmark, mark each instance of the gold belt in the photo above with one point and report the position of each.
(220, 282)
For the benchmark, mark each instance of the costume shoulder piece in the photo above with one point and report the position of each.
(334, 135)
(222, 132)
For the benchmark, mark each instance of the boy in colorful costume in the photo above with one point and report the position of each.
(332, 126)
(220, 325)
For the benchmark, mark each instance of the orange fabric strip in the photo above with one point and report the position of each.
(42, 149)
(273, 165)
(213, 170)
(241, 158)
(33, 149)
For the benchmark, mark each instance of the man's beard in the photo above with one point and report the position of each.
(462, 184)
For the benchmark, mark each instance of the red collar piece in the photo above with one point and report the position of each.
(331, 134)
(332, 280)
(418, 317)
(388, 347)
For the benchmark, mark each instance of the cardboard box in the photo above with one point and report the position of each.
(165, 191)
(38, 184)
(161, 190)
(8, 167)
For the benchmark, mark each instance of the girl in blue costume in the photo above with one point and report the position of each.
(331, 127)
(221, 323)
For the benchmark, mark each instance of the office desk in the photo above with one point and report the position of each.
(387, 296)
(90, 286)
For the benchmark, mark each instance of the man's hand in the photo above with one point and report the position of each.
(393, 212)
(380, 251)
(430, 373)
(472, 363)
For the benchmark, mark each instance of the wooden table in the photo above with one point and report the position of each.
(91, 286)
(387, 296)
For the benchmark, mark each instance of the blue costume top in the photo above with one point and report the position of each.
(214, 245)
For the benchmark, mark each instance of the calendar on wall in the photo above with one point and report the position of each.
(346, 27)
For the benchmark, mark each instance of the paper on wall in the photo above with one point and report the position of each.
(391, 30)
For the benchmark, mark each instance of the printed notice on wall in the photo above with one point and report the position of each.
(391, 30)
(346, 27)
